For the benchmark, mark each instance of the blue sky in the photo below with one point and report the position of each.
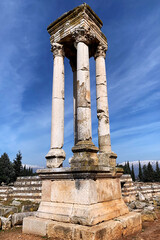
(133, 74)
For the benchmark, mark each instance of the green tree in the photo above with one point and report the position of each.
(132, 173)
(17, 164)
(125, 168)
(6, 169)
(27, 171)
(157, 173)
(140, 175)
(150, 173)
(145, 173)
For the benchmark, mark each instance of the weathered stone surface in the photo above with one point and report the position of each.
(17, 218)
(131, 223)
(16, 203)
(110, 230)
(141, 196)
(46, 190)
(7, 210)
(85, 191)
(132, 205)
(78, 18)
(148, 214)
(107, 159)
(33, 225)
(82, 214)
(6, 223)
(140, 205)
(29, 208)
(55, 158)
(85, 155)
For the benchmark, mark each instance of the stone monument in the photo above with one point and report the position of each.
(83, 201)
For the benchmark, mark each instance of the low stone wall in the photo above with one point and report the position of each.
(5, 192)
(149, 190)
(25, 188)
(131, 189)
(128, 188)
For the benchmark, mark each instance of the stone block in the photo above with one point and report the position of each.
(7, 210)
(131, 223)
(15, 203)
(81, 191)
(17, 218)
(82, 213)
(46, 190)
(109, 230)
(6, 223)
(33, 225)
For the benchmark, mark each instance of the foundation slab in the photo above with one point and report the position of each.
(110, 230)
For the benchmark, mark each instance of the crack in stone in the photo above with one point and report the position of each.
(58, 98)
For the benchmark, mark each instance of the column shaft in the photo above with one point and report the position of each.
(83, 93)
(85, 152)
(75, 106)
(56, 155)
(102, 106)
(57, 125)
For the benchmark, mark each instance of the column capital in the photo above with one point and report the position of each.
(83, 35)
(100, 51)
(57, 50)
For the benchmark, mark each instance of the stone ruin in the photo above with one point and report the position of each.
(82, 201)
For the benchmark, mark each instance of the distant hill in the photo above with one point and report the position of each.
(143, 162)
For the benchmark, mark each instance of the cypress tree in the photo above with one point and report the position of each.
(140, 175)
(17, 164)
(128, 170)
(157, 173)
(6, 169)
(150, 173)
(132, 173)
(145, 173)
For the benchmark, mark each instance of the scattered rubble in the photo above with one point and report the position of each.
(12, 212)
(146, 206)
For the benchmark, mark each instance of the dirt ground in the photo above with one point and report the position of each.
(150, 231)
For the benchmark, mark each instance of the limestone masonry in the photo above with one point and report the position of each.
(83, 201)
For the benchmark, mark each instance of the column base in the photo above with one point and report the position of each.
(107, 159)
(55, 158)
(125, 225)
(85, 154)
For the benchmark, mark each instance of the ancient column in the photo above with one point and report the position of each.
(84, 127)
(83, 93)
(102, 101)
(56, 155)
(105, 153)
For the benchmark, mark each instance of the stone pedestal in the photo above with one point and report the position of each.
(83, 203)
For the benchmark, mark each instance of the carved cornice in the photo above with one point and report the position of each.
(83, 35)
(100, 51)
(57, 50)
